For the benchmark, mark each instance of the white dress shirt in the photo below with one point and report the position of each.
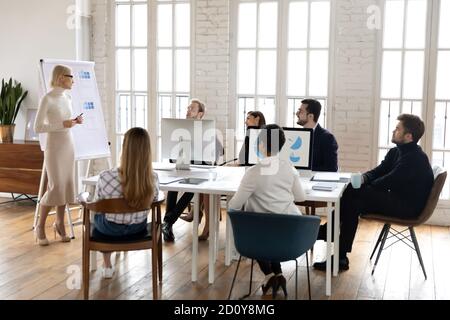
(269, 186)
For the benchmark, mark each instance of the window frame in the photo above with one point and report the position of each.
(153, 114)
(281, 96)
(429, 83)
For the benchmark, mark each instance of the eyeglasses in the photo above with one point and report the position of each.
(69, 76)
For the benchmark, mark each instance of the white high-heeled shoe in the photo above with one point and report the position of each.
(42, 242)
(64, 238)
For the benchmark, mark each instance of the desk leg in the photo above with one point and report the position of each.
(328, 270)
(336, 237)
(228, 237)
(93, 254)
(195, 239)
(93, 260)
(212, 237)
(218, 214)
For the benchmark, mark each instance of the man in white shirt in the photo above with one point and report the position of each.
(196, 110)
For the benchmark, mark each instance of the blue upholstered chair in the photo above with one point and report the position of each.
(273, 237)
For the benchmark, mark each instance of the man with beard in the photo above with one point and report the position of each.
(324, 144)
(398, 187)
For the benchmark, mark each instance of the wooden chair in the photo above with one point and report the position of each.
(311, 206)
(150, 239)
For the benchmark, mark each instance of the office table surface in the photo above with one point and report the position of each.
(225, 180)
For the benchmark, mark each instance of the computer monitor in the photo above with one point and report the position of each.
(192, 140)
(297, 149)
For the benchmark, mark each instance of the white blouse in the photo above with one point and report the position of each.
(269, 186)
(55, 108)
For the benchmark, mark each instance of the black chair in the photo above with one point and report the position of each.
(273, 237)
(389, 232)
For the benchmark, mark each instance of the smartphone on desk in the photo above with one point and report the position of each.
(193, 180)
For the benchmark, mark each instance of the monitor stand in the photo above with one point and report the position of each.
(305, 173)
(182, 165)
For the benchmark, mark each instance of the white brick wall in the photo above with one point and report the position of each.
(212, 58)
(100, 54)
(355, 67)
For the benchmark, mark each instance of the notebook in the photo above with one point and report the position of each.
(324, 186)
(330, 177)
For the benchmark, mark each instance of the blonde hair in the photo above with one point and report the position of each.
(136, 172)
(59, 71)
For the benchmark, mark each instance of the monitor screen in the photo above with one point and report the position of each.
(297, 149)
(193, 140)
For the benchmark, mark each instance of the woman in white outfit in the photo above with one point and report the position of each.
(270, 186)
(54, 118)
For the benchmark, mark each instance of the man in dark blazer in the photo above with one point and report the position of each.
(324, 157)
(398, 187)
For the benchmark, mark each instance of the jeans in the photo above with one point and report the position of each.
(109, 228)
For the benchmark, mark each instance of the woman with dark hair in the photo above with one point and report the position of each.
(270, 186)
(255, 119)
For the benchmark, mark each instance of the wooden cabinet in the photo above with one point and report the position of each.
(20, 167)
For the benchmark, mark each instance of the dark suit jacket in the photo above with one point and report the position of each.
(324, 151)
(406, 173)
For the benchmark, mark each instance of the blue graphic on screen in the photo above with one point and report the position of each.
(295, 146)
(85, 75)
(88, 106)
(257, 152)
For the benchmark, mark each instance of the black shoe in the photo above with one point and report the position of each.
(343, 264)
(281, 284)
(167, 232)
(322, 235)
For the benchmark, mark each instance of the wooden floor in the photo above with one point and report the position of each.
(28, 271)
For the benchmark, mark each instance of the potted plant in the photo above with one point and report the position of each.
(11, 97)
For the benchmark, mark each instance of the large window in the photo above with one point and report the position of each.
(441, 133)
(281, 57)
(415, 74)
(403, 62)
(173, 59)
(134, 90)
(131, 67)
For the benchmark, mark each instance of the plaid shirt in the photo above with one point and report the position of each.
(109, 187)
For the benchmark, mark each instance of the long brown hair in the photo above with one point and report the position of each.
(135, 171)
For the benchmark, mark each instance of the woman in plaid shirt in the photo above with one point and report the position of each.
(135, 181)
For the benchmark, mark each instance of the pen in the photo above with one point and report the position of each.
(79, 116)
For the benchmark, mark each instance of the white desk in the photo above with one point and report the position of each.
(226, 183)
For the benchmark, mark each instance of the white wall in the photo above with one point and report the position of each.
(31, 30)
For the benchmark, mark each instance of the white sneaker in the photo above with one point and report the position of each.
(108, 272)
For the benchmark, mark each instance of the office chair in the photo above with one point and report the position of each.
(273, 237)
(150, 239)
(388, 231)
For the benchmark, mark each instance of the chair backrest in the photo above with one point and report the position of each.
(273, 236)
(120, 205)
(439, 180)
